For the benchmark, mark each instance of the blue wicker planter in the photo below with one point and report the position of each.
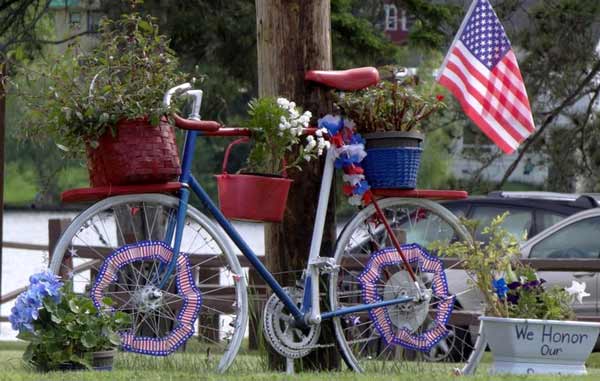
(392, 167)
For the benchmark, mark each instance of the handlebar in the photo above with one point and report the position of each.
(193, 122)
(208, 127)
(169, 94)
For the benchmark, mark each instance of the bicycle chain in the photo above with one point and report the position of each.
(287, 340)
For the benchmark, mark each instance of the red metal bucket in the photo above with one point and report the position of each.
(252, 197)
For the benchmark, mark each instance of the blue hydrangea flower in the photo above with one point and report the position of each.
(26, 307)
(500, 287)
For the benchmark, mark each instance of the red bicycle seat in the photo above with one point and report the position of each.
(347, 80)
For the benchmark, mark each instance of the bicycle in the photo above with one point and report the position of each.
(149, 252)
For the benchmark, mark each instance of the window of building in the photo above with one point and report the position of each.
(94, 18)
(75, 19)
(403, 21)
(391, 17)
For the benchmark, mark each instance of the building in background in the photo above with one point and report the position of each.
(396, 23)
(75, 17)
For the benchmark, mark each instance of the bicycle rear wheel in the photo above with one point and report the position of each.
(118, 249)
(405, 336)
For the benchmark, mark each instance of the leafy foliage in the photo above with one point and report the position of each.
(66, 327)
(390, 106)
(355, 39)
(124, 77)
(276, 130)
(509, 288)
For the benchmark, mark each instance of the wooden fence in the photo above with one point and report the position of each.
(219, 297)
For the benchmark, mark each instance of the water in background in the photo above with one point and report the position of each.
(32, 227)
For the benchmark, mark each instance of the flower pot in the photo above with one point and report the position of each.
(253, 197)
(527, 346)
(103, 360)
(138, 153)
(393, 159)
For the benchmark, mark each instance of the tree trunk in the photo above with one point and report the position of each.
(2, 128)
(292, 37)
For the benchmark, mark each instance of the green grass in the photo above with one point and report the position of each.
(20, 185)
(192, 365)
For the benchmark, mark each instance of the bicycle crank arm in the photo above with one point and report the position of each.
(366, 307)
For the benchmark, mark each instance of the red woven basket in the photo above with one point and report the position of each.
(139, 153)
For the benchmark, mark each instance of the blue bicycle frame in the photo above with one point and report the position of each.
(308, 312)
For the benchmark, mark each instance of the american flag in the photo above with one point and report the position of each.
(481, 71)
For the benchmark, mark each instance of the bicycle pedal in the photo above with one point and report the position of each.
(325, 264)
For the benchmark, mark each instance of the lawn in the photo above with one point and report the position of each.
(191, 365)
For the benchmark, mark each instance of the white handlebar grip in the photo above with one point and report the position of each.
(170, 92)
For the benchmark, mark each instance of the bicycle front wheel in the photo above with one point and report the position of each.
(404, 336)
(121, 248)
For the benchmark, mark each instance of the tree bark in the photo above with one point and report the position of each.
(2, 129)
(292, 37)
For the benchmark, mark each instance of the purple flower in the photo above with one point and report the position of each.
(500, 287)
(514, 285)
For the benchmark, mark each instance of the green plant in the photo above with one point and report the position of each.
(509, 288)
(390, 106)
(277, 127)
(61, 326)
(84, 95)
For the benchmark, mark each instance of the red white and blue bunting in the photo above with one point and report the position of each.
(426, 263)
(349, 150)
(191, 298)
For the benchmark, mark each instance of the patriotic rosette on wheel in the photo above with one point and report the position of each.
(349, 151)
(191, 298)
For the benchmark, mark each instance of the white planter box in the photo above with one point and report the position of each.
(526, 346)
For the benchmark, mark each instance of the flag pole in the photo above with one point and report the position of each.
(456, 37)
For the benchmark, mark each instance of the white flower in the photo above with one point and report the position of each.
(283, 103)
(311, 144)
(577, 290)
(307, 157)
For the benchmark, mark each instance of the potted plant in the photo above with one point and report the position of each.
(260, 192)
(528, 327)
(65, 330)
(106, 104)
(389, 116)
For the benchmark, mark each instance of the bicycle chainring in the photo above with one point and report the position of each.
(278, 324)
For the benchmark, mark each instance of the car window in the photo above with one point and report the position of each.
(518, 222)
(547, 219)
(459, 210)
(577, 240)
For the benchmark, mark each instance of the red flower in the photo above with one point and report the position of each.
(439, 97)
